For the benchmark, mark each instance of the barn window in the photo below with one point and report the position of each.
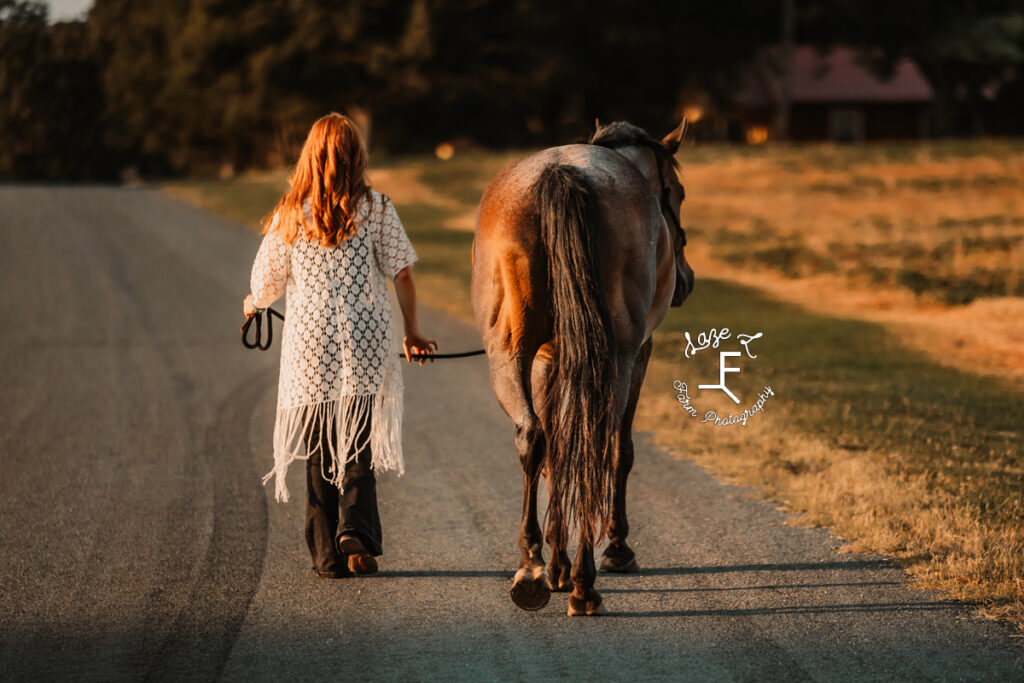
(846, 125)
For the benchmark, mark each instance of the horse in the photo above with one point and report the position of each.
(578, 253)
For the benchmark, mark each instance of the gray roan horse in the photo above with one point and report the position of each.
(578, 255)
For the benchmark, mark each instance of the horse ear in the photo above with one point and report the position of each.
(672, 140)
(597, 123)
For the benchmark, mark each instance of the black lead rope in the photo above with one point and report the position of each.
(258, 343)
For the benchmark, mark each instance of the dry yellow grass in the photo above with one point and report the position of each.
(985, 336)
(892, 208)
(897, 235)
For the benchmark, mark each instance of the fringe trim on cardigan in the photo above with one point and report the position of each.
(348, 416)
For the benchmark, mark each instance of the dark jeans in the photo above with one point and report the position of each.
(331, 514)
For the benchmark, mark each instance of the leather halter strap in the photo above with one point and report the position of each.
(666, 206)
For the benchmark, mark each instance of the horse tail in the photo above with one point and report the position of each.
(578, 418)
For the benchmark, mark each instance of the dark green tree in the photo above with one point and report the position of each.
(136, 46)
(51, 100)
(207, 84)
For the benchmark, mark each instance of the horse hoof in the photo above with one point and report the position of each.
(561, 582)
(617, 565)
(530, 588)
(578, 607)
(561, 586)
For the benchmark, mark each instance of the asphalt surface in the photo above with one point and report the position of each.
(138, 543)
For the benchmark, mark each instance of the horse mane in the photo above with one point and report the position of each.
(625, 134)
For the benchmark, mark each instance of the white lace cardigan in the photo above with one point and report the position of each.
(337, 358)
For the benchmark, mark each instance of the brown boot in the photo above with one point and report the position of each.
(359, 560)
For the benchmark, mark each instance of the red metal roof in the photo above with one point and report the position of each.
(833, 76)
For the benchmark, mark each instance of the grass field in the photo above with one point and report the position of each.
(945, 222)
(868, 433)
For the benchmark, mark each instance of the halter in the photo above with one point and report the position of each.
(666, 206)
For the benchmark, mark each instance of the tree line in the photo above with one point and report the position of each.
(200, 86)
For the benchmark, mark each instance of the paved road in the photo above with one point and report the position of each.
(137, 543)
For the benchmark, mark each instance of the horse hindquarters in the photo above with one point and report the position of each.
(579, 420)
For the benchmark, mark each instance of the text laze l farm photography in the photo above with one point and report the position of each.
(435, 340)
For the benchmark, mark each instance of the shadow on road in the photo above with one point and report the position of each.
(776, 567)
(668, 571)
(765, 587)
(443, 573)
(869, 607)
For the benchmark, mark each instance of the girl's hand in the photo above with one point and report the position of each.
(417, 343)
(248, 308)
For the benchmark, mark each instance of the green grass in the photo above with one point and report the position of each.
(465, 176)
(443, 268)
(243, 201)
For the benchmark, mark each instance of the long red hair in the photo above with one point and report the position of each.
(331, 172)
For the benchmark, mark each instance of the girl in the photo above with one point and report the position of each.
(330, 242)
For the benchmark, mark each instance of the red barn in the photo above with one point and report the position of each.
(833, 96)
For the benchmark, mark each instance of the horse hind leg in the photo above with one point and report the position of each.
(560, 567)
(584, 599)
(530, 588)
(618, 556)
(510, 379)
